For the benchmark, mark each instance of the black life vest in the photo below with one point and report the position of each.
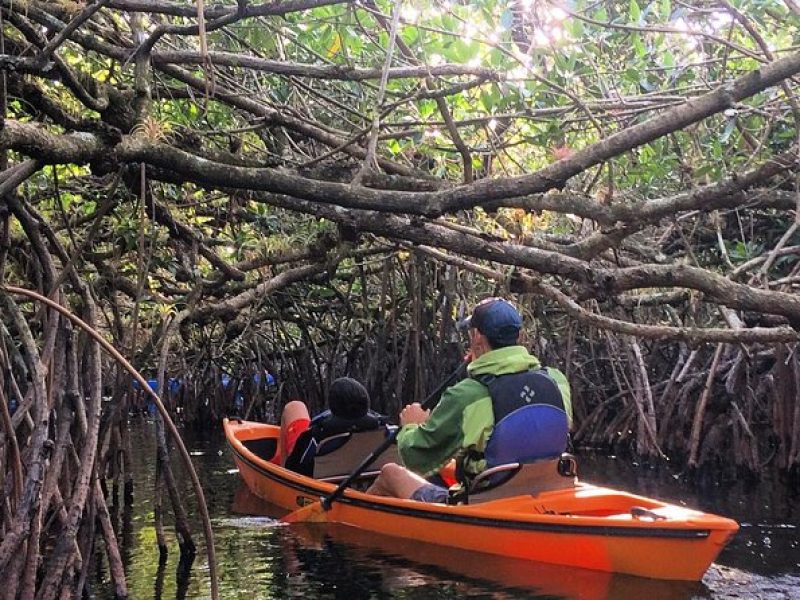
(325, 425)
(530, 418)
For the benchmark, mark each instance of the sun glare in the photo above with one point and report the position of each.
(409, 14)
(719, 20)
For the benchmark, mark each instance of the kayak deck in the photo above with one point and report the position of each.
(583, 525)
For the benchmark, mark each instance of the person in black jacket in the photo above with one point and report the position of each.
(348, 411)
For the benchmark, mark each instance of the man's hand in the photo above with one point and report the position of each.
(413, 413)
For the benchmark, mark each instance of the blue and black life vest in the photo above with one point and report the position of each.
(530, 419)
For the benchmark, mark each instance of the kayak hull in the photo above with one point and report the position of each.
(583, 526)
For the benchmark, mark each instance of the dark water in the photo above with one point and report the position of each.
(261, 559)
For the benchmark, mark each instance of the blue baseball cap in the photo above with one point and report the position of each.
(497, 319)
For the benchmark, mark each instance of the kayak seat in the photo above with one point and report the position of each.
(518, 479)
(338, 455)
(528, 434)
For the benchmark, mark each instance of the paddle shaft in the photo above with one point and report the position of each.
(429, 402)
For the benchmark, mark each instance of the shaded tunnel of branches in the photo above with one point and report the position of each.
(317, 188)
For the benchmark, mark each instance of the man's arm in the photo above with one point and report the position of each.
(427, 445)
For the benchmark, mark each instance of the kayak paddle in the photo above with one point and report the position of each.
(315, 512)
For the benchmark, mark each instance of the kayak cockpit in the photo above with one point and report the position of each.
(336, 456)
(585, 501)
(264, 448)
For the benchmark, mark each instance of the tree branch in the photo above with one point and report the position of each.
(595, 282)
(278, 8)
(312, 71)
(693, 336)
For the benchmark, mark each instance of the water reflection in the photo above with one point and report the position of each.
(330, 553)
(260, 559)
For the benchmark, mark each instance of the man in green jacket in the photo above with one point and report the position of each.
(462, 423)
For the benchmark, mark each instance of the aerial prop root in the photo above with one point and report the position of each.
(207, 530)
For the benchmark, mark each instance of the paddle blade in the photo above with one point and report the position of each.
(310, 513)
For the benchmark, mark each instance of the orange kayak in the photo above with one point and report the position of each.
(581, 525)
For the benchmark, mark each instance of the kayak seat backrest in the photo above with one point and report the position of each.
(339, 455)
(528, 434)
(518, 479)
(264, 448)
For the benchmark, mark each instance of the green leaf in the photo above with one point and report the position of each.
(729, 127)
(426, 108)
(66, 200)
(488, 100)
(459, 51)
(635, 12)
(638, 45)
(631, 75)
(575, 28)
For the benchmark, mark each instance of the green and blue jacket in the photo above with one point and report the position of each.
(462, 422)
